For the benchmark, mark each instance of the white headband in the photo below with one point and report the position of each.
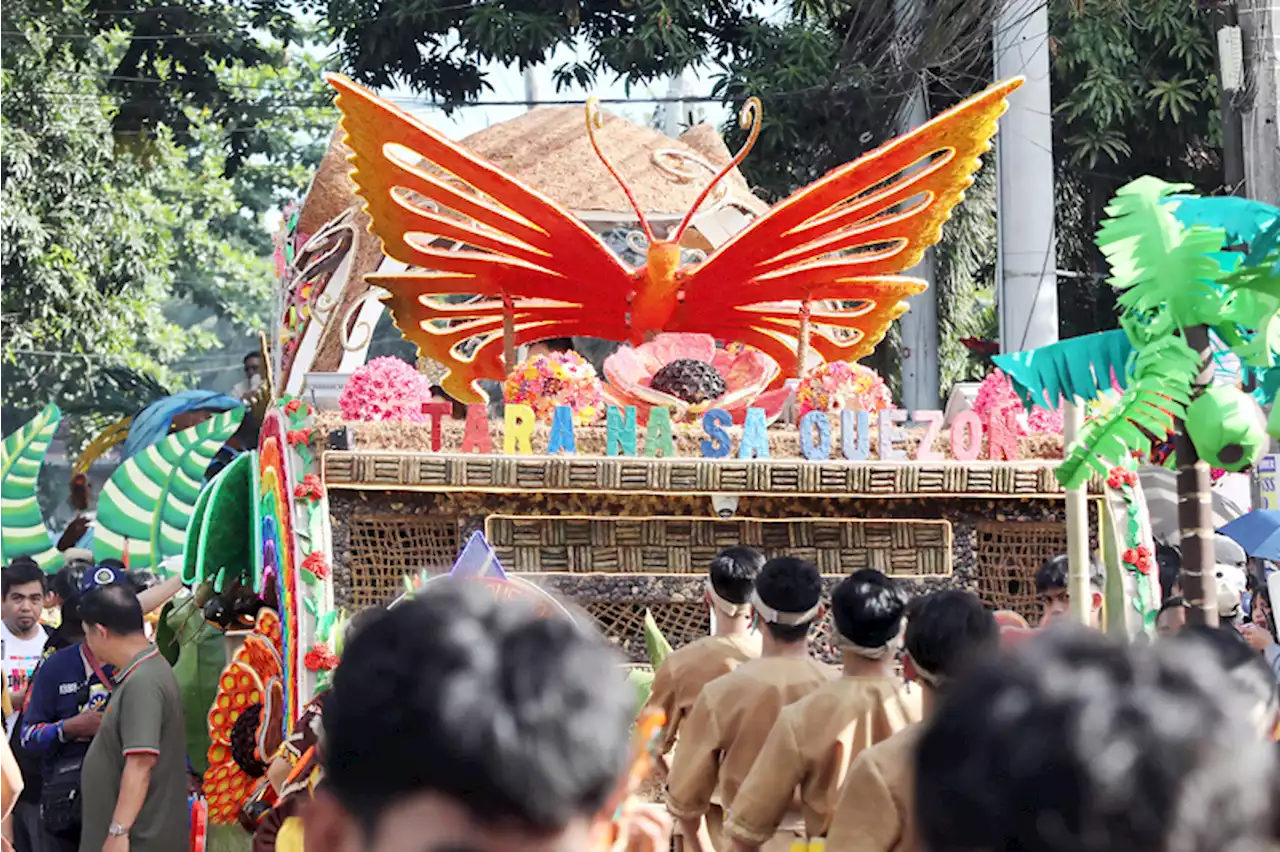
(924, 674)
(732, 610)
(888, 649)
(786, 619)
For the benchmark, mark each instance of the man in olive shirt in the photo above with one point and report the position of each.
(134, 781)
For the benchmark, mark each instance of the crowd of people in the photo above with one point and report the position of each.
(456, 721)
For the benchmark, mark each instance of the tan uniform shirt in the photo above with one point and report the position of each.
(876, 811)
(810, 749)
(684, 674)
(729, 724)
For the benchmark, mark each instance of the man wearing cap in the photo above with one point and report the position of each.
(734, 714)
(685, 672)
(815, 739)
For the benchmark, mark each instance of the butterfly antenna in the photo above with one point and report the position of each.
(595, 121)
(749, 118)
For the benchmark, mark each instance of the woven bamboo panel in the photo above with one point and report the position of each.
(452, 472)
(382, 549)
(623, 623)
(666, 545)
(1007, 556)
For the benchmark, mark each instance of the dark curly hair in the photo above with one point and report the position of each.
(518, 718)
(1075, 743)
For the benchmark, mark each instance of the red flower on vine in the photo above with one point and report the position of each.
(1130, 478)
(317, 564)
(1115, 477)
(1130, 556)
(293, 406)
(311, 487)
(298, 436)
(320, 658)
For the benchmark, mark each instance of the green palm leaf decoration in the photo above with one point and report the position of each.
(148, 503)
(1159, 392)
(1166, 272)
(1077, 369)
(22, 529)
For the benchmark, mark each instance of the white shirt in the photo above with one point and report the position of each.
(18, 662)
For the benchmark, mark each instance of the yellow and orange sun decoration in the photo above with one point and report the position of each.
(843, 238)
(246, 722)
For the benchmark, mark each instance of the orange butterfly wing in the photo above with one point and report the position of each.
(427, 195)
(842, 239)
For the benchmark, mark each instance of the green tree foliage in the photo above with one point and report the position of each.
(1135, 93)
(128, 246)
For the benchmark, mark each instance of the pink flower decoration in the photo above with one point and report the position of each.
(385, 389)
(746, 372)
(559, 378)
(840, 385)
(996, 394)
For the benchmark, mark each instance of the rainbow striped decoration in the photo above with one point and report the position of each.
(279, 558)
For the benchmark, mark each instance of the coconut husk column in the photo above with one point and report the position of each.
(1195, 502)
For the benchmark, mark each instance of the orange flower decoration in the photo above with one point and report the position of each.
(246, 722)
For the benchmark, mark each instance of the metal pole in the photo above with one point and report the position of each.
(1079, 589)
(1195, 502)
(1260, 110)
(1225, 21)
(1027, 286)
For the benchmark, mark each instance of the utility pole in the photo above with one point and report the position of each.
(532, 90)
(1230, 85)
(921, 382)
(673, 109)
(1027, 283)
(1260, 111)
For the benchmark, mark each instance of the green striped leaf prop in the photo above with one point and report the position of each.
(22, 529)
(148, 503)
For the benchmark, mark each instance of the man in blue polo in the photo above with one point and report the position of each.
(68, 697)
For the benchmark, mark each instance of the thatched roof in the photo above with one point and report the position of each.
(548, 148)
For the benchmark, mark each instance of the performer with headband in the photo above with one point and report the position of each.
(732, 718)
(815, 739)
(946, 632)
(685, 672)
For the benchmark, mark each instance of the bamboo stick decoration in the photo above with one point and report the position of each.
(1195, 501)
(1079, 588)
(802, 340)
(508, 334)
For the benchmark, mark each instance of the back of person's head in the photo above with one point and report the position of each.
(66, 585)
(867, 608)
(1074, 743)
(947, 632)
(734, 571)
(113, 607)
(512, 719)
(1052, 575)
(22, 571)
(142, 579)
(1169, 562)
(1254, 678)
(788, 597)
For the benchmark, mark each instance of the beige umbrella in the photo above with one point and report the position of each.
(1160, 487)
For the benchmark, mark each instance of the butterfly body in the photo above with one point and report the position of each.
(831, 253)
(655, 300)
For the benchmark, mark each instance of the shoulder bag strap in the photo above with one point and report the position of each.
(97, 669)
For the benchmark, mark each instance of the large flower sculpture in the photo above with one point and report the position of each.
(385, 389)
(246, 722)
(840, 385)
(996, 394)
(559, 378)
(689, 375)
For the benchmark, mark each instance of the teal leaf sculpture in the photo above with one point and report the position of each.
(1077, 369)
(147, 505)
(22, 529)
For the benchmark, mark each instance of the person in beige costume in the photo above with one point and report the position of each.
(815, 739)
(732, 717)
(685, 672)
(945, 631)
